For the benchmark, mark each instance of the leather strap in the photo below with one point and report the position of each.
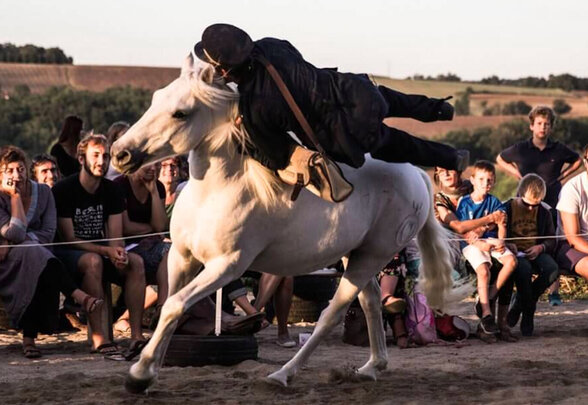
(293, 106)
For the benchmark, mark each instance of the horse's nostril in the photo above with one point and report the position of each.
(123, 157)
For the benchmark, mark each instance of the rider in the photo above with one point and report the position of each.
(345, 110)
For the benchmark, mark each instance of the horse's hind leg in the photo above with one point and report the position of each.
(369, 298)
(143, 373)
(351, 284)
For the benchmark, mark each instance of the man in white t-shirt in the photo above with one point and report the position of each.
(572, 255)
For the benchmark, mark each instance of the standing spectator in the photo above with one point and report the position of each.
(30, 276)
(529, 218)
(144, 214)
(90, 207)
(572, 253)
(551, 160)
(114, 132)
(64, 150)
(44, 170)
(479, 253)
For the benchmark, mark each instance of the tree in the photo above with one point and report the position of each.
(561, 107)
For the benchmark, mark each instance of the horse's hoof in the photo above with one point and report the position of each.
(367, 374)
(277, 379)
(136, 386)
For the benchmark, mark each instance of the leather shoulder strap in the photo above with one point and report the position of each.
(292, 103)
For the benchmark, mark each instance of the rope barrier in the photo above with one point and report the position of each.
(77, 242)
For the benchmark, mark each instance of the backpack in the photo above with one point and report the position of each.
(452, 327)
(420, 320)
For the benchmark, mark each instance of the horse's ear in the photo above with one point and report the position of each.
(188, 64)
(208, 74)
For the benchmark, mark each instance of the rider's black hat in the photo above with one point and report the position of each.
(224, 45)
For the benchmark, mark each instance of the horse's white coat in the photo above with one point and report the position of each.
(233, 215)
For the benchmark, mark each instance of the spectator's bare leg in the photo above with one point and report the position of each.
(509, 263)
(245, 305)
(483, 274)
(135, 294)
(90, 265)
(282, 303)
(162, 284)
(268, 284)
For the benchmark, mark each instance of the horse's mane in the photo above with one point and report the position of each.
(258, 179)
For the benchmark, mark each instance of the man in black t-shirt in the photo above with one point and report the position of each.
(90, 207)
(551, 160)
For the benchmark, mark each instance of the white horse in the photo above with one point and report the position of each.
(234, 214)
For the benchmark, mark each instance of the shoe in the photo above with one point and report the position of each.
(489, 325)
(446, 112)
(527, 323)
(110, 351)
(134, 349)
(393, 305)
(463, 160)
(31, 352)
(485, 337)
(287, 342)
(92, 304)
(554, 299)
(243, 325)
(514, 312)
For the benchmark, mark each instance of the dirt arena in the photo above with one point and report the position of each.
(551, 367)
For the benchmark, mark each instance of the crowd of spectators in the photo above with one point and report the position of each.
(74, 195)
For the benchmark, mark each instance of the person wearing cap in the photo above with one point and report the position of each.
(345, 110)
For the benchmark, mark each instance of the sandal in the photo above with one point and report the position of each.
(394, 305)
(134, 349)
(110, 351)
(287, 342)
(91, 304)
(31, 352)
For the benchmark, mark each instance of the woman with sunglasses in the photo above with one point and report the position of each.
(529, 219)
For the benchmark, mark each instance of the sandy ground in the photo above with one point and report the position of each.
(551, 367)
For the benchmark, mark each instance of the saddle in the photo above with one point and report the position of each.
(317, 174)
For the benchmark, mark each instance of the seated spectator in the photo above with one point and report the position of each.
(44, 170)
(451, 189)
(170, 177)
(572, 253)
(145, 214)
(114, 132)
(479, 252)
(64, 150)
(529, 218)
(31, 277)
(89, 208)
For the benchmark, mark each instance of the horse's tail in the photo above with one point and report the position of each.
(438, 257)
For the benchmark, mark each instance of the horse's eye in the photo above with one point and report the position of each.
(180, 115)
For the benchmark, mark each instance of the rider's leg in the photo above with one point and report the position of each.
(419, 107)
(394, 145)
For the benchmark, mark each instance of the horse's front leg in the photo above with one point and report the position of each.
(369, 298)
(332, 316)
(216, 274)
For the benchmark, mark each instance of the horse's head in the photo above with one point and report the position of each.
(180, 116)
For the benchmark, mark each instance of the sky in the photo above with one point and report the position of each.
(396, 38)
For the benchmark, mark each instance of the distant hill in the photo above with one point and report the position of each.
(39, 77)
